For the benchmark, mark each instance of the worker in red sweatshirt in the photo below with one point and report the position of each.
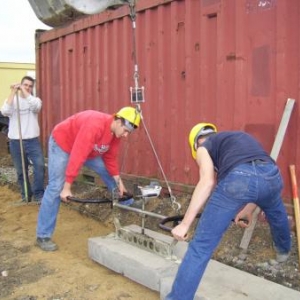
(89, 138)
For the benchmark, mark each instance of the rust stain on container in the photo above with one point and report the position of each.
(232, 63)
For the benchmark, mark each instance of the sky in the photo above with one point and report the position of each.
(18, 23)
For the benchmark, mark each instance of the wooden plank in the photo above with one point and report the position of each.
(274, 154)
(282, 128)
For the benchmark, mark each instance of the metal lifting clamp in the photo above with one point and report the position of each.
(140, 236)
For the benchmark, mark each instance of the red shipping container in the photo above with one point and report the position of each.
(230, 62)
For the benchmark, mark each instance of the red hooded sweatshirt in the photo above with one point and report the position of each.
(86, 135)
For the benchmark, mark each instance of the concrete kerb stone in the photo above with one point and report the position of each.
(137, 264)
(220, 281)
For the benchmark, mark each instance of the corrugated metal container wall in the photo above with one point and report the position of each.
(233, 63)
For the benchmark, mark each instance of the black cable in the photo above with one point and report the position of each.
(176, 220)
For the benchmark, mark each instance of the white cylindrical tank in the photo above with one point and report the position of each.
(61, 12)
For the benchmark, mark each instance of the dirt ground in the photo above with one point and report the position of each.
(27, 273)
(65, 274)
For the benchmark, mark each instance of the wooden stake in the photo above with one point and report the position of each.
(296, 205)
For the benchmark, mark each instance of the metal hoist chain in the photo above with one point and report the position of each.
(137, 97)
(133, 18)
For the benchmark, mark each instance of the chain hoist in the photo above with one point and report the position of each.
(137, 94)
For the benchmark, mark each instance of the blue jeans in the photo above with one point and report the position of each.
(32, 152)
(57, 164)
(248, 183)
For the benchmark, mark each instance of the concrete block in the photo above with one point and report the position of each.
(178, 250)
(220, 282)
(137, 264)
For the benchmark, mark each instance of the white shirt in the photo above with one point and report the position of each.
(29, 109)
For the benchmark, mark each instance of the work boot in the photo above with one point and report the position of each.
(282, 257)
(46, 244)
(37, 200)
(21, 202)
(127, 202)
(24, 199)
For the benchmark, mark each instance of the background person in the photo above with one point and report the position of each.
(246, 176)
(89, 138)
(29, 108)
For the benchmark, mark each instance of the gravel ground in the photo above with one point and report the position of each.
(258, 260)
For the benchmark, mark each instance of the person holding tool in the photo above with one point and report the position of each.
(89, 138)
(246, 176)
(23, 108)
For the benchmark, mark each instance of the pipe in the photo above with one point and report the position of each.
(140, 211)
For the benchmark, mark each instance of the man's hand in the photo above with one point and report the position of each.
(20, 87)
(120, 185)
(245, 214)
(66, 192)
(180, 232)
(15, 87)
(244, 221)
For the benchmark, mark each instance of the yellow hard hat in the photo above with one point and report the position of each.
(197, 131)
(131, 116)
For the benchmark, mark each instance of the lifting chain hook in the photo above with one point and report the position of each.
(175, 205)
(131, 4)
